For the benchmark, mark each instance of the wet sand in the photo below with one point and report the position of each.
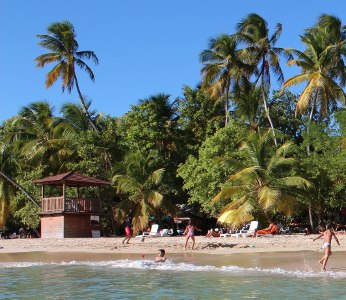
(289, 261)
(284, 252)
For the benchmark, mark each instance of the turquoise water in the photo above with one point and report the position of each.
(143, 279)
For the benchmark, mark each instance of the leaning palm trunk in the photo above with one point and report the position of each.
(226, 108)
(33, 200)
(266, 109)
(84, 105)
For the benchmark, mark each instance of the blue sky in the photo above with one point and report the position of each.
(144, 47)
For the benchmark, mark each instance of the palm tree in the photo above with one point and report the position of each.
(260, 50)
(265, 185)
(138, 179)
(322, 68)
(61, 40)
(223, 68)
(40, 138)
(75, 118)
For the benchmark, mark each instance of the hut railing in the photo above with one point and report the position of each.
(72, 204)
(82, 204)
(53, 204)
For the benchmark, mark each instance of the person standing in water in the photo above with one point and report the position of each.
(190, 233)
(128, 229)
(327, 244)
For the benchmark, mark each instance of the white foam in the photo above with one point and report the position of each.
(179, 267)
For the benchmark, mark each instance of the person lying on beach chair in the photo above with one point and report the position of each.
(271, 229)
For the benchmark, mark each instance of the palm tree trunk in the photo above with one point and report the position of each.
(33, 200)
(308, 152)
(266, 109)
(226, 108)
(84, 105)
(309, 123)
(227, 102)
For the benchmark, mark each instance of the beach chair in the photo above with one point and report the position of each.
(154, 231)
(164, 232)
(251, 231)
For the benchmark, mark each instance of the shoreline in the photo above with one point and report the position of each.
(216, 245)
(289, 253)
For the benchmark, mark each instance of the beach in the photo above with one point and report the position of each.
(215, 245)
(234, 268)
(291, 252)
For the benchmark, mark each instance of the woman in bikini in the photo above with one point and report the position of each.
(327, 244)
(190, 233)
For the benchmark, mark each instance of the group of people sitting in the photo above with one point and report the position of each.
(271, 229)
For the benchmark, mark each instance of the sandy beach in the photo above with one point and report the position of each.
(215, 245)
(289, 252)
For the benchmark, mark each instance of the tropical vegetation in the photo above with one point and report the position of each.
(235, 147)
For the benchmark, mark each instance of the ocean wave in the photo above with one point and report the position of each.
(180, 267)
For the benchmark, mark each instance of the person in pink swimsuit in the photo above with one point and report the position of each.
(190, 233)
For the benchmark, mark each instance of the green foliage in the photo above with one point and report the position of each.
(217, 157)
(326, 166)
(138, 180)
(26, 213)
(265, 183)
(199, 117)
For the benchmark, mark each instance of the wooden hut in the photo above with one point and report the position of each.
(65, 216)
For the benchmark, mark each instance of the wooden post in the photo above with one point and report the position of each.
(99, 197)
(42, 196)
(64, 195)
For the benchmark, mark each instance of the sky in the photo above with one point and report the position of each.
(144, 47)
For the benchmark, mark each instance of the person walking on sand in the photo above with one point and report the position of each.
(128, 229)
(190, 233)
(327, 244)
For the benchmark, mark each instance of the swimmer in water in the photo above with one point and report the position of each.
(161, 257)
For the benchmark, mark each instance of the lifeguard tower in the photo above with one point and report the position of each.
(64, 216)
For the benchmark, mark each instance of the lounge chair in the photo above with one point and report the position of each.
(164, 232)
(154, 231)
(250, 231)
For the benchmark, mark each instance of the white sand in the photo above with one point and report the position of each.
(204, 245)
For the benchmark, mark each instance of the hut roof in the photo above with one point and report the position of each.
(71, 179)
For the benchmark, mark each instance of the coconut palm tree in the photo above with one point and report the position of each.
(75, 118)
(61, 41)
(223, 68)
(40, 138)
(265, 185)
(322, 67)
(138, 179)
(260, 50)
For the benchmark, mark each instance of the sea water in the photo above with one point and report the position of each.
(145, 279)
